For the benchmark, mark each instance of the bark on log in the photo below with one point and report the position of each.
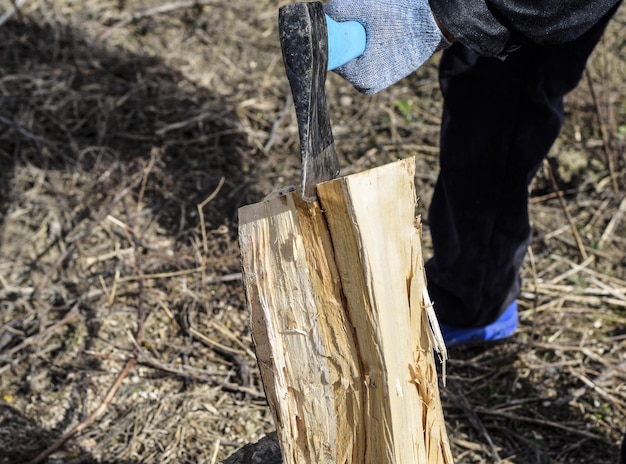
(264, 451)
(342, 323)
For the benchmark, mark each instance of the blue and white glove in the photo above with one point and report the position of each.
(401, 36)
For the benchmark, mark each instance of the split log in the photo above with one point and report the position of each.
(343, 327)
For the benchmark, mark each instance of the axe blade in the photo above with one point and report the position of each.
(304, 42)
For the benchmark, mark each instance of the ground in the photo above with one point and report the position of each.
(131, 132)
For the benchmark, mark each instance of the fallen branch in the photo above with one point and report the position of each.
(168, 275)
(42, 334)
(201, 206)
(215, 345)
(186, 372)
(609, 151)
(618, 404)
(276, 124)
(462, 403)
(568, 216)
(613, 223)
(167, 8)
(89, 419)
(547, 423)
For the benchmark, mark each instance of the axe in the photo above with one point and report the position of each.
(312, 43)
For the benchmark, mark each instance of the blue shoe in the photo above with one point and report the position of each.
(503, 327)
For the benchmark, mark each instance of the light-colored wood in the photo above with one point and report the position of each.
(340, 320)
(304, 342)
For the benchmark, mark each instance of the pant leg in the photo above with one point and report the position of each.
(500, 118)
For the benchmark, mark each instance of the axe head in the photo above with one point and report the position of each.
(304, 43)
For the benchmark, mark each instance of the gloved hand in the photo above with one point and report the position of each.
(401, 36)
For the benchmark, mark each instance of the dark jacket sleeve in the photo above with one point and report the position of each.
(493, 27)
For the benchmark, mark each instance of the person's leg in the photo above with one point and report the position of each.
(500, 119)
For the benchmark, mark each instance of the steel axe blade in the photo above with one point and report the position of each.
(304, 43)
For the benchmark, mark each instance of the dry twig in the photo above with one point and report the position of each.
(44, 333)
(611, 154)
(82, 425)
(543, 422)
(201, 206)
(579, 242)
(613, 223)
(161, 9)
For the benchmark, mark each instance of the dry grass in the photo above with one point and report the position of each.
(130, 133)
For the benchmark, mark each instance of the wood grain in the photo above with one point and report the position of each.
(338, 304)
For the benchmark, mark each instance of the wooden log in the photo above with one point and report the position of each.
(304, 342)
(343, 328)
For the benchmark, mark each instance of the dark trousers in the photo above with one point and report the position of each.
(500, 118)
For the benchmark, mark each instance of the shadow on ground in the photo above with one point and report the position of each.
(66, 102)
(21, 440)
(103, 125)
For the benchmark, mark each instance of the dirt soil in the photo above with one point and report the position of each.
(131, 132)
